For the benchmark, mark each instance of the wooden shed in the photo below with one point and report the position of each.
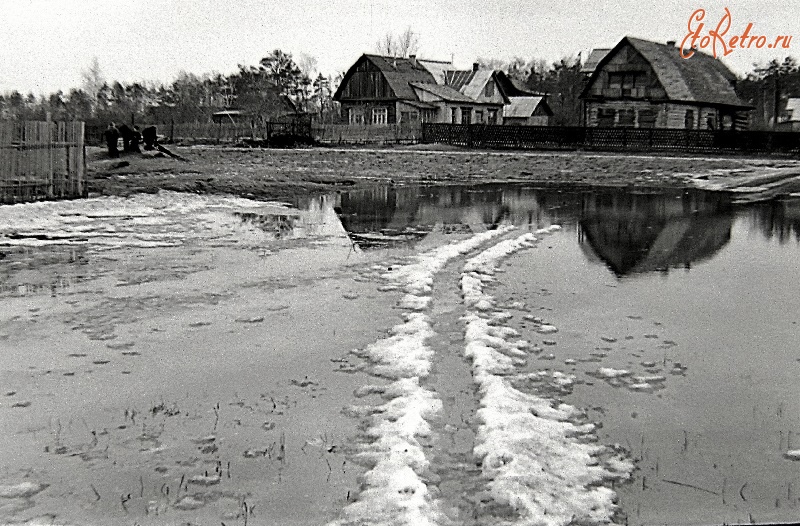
(527, 111)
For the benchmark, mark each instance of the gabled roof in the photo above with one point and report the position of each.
(595, 56)
(446, 93)
(474, 86)
(523, 107)
(437, 68)
(399, 72)
(512, 87)
(701, 78)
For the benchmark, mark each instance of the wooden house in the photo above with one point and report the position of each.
(387, 90)
(482, 87)
(643, 84)
(377, 90)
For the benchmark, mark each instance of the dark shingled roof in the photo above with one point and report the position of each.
(512, 87)
(701, 78)
(398, 73)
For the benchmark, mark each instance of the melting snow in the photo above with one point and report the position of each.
(535, 455)
(394, 491)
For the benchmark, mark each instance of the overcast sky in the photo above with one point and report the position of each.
(45, 44)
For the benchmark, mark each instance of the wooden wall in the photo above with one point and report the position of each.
(41, 160)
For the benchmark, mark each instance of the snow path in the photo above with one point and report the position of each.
(538, 459)
(398, 430)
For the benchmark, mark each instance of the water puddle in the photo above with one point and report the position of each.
(676, 314)
(668, 317)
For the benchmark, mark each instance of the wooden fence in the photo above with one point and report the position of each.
(41, 160)
(612, 139)
(367, 134)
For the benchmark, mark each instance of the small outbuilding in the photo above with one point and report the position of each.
(789, 118)
(527, 111)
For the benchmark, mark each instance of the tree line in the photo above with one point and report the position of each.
(280, 85)
(277, 85)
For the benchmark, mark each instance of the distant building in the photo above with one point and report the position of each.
(595, 56)
(377, 90)
(525, 107)
(386, 90)
(527, 111)
(643, 84)
(789, 118)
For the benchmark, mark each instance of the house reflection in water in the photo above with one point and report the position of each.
(630, 232)
(637, 232)
(388, 216)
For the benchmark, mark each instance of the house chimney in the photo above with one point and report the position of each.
(413, 59)
(475, 66)
(671, 43)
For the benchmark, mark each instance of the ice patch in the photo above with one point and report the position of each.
(608, 372)
(21, 490)
(535, 455)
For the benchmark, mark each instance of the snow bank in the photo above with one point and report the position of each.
(394, 492)
(537, 457)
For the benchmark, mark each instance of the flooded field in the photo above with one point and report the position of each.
(404, 354)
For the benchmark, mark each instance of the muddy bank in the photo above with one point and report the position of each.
(285, 174)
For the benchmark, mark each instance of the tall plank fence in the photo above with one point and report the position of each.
(612, 139)
(41, 160)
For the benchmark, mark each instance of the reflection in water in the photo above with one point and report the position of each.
(635, 233)
(630, 232)
(314, 218)
(21, 269)
(781, 220)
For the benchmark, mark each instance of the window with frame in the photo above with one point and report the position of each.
(711, 121)
(356, 116)
(488, 90)
(606, 117)
(380, 115)
(466, 115)
(454, 115)
(479, 117)
(647, 118)
(688, 120)
(630, 83)
(492, 117)
(626, 118)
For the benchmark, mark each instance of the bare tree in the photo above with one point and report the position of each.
(386, 46)
(307, 65)
(93, 81)
(407, 43)
(402, 45)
